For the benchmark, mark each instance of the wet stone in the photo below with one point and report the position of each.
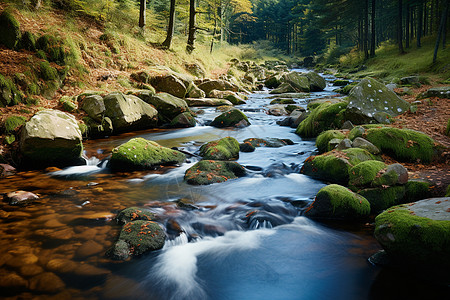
(88, 248)
(46, 283)
(12, 281)
(61, 265)
(30, 270)
(20, 198)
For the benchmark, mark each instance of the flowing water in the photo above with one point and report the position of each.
(242, 239)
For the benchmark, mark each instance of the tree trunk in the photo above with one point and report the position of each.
(192, 28)
(373, 32)
(366, 29)
(441, 29)
(407, 25)
(214, 32)
(400, 27)
(142, 15)
(419, 24)
(37, 4)
(168, 41)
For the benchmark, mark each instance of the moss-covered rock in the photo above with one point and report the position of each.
(12, 123)
(223, 149)
(268, 142)
(167, 105)
(323, 140)
(210, 171)
(298, 81)
(325, 116)
(9, 94)
(139, 153)
(98, 129)
(382, 198)
(447, 130)
(418, 190)
(28, 41)
(338, 202)
(366, 145)
(402, 144)
(47, 72)
(132, 214)
(417, 233)
(94, 106)
(53, 48)
(183, 120)
(68, 104)
(231, 118)
(316, 82)
(335, 166)
(447, 194)
(364, 173)
(9, 30)
(235, 99)
(394, 174)
(282, 101)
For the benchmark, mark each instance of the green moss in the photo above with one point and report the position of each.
(447, 194)
(365, 172)
(9, 139)
(210, 171)
(325, 116)
(447, 130)
(46, 42)
(322, 141)
(346, 89)
(185, 119)
(41, 54)
(47, 72)
(68, 104)
(9, 94)
(9, 30)
(223, 149)
(131, 214)
(282, 101)
(28, 41)
(383, 198)
(233, 117)
(335, 201)
(53, 48)
(403, 144)
(417, 190)
(412, 238)
(12, 123)
(142, 236)
(139, 153)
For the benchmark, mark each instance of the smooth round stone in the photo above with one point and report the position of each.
(61, 265)
(90, 271)
(12, 281)
(54, 223)
(46, 283)
(23, 259)
(88, 248)
(30, 270)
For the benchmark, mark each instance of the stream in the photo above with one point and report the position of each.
(242, 239)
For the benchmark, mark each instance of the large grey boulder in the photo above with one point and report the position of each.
(316, 82)
(94, 106)
(129, 112)
(207, 102)
(169, 84)
(51, 138)
(167, 105)
(221, 85)
(370, 100)
(297, 80)
(441, 92)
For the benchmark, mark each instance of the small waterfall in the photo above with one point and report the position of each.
(93, 165)
(179, 240)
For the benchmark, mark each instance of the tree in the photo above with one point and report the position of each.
(400, 26)
(192, 27)
(142, 21)
(373, 32)
(442, 24)
(168, 41)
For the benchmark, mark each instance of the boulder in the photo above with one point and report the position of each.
(6, 170)
(298, 81)
(402, 144)
(46, 282)
(210, 171)
(325, 116)
(221, 85)
(207, 102)
(183, 120)
(268, 142)
(9, 30)
(131, 214)
(228, 95)
(273, 81)
(167, 105)
(128, 112)
(382, 198)
(364, 173)
(169, 84)
(394, 174)
(51, 138)
(224, 149)
(139, 153)
(341, 144)
(20, 198)
(283, 88)
(195, 92)
(94, 106)
(294, 119)
(440, 92)
(231, 118)
(98, 129)
(195, 69)
(283, 101)
(323, 140)
(371, 100)
(316, 82)
(337, 202)
(335, 166)
(365, 144)
(417, 189)
(417, 233)
(277, 110)
(312, 104)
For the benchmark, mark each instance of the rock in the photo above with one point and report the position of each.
(224, 149)
(382, 198)
(440, 92)
(87, 249)
(141, 76)
(410, 80)
(313, 104)
(131, 214)
(12, 282)
(221, 85)
(348, 125)
(337, 202)
(231, 118)
(167, 105)
(273, 81)
(51, 138)
(98, 130)
(295, 118)
(195, 92)
(61, 265)
(335, 166)
(139, 153)
(142, 236)
(209, 171)
(402, 144)
(369, 98)
(342, 145)
(283, 101)
(394, 174)
(128, 112)
(325, 116)
(277, 110)
(94, 106)
(195, 69)
(46, 283)
(169, 84)
(183, 120)
(207, 102)
(268, 142)
(356, 132)
(119, 251)
(235, 99)
(298, 81)
(20, 198)
(418, 190)
(341, 82)
(391, 86)
(246, 147)
(364, 173)
(283, 88)
(9, 30)
(316, 82)
(6, 170)
(417, 233)
(366, 145)
(30, 270)
(323, 140)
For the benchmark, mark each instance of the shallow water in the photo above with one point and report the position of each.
(243, 239)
